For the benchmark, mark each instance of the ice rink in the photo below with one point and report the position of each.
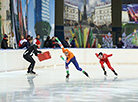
(51, 86)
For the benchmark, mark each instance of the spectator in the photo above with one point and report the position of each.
(22, 42)
(4, 44)
(54, 43)
(36, 40)
(29, 42)
(67, 44)
(28, 37)
(47, 42)
(120, 44)
(73, 45)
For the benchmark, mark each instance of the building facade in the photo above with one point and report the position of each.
(42, 12)
(71, 14)
(103, 15)
(5, 16)
(125, 16)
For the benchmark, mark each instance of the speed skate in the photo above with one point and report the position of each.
(30, 74)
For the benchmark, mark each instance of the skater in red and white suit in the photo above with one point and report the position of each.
(104, 59)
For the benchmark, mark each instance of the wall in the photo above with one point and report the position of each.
(13, 60)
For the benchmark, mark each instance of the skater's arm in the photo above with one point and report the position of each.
(36, 51)
(96, 54)
(39, 51)
(60, 44)
(109, 55)
(67, 61)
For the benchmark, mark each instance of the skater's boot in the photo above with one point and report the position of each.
(28, 72)
(85, 73)
(105, 73)
(32, 72)
(67, 76)
(115, 73)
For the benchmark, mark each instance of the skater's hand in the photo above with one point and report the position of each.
(67, 61)
(96, 54)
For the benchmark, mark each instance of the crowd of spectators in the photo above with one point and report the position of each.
(48, 43)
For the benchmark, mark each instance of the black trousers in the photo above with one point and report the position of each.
(31, 60)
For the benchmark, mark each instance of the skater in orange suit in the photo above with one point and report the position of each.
(104, 59)
(70, 58)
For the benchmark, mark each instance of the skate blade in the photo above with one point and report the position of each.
(115, 78)
(28, 74)
(67, 79)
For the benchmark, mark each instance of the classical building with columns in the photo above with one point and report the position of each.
(71, 14)
(5, 16)
(103, 14)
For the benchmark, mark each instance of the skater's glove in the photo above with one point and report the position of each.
(39, 51)
(67, 61)
(96, 54)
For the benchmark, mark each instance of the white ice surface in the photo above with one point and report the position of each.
(51, 86)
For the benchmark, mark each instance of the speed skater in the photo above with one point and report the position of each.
(70, 58)
(104, 59)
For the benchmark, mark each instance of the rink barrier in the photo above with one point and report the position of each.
(11, 60)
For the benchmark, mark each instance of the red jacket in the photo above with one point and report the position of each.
(37, 42)
(105, 56)
(21, 42)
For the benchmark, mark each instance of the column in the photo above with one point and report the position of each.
(59, 19)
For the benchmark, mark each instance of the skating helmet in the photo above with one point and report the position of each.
(100, 55)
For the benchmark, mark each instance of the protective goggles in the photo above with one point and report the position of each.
(66, 53)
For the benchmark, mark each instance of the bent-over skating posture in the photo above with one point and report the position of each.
(27, 55)
(104, 59)
(70, 58)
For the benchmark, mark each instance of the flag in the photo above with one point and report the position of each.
(85, 37)
(44, 56)
(78, 36)
(91, 38)
(81, 36)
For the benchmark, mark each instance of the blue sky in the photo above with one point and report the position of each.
(31, 5)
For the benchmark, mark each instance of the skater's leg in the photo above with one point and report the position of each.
(31, 60)
(67, 68)
(110, 67)
(102, 65)
(74, 61)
